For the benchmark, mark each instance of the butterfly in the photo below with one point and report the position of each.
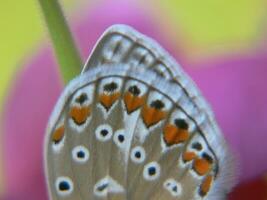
(134, 126)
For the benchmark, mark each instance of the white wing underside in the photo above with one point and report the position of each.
(125, 127)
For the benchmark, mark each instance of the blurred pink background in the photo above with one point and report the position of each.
(233, 80)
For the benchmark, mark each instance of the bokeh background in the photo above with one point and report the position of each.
(222, 44)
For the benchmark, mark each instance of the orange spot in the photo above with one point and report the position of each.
(58, 134)
(174, 135)
(188, 156)
(80, 114)
(152, 116)
(205, 186)
(132, 102)
(201, 166)
(107, 100)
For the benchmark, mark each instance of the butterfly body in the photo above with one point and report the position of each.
(132, 126)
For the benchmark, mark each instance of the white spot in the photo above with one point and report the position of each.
(142, 87)
(151, 171)
(138, 154)
(107, 185)
(103, 132)
(117, 81)
(173, 187)
(79, 128)
(179, 114)
(197, 138)
(88, 91)
(120, 139)
(156, 96)
(58, 146)
(64, 186)
(80, 154)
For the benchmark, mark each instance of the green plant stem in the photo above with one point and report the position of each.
(66, 52)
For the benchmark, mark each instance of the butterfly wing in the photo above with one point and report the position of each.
(126, 130)
(122, 44)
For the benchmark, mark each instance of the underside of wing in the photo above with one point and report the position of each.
(121, 44)
(124, 132)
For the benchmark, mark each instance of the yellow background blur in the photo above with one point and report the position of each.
(21, 30)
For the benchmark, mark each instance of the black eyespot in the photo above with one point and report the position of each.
(151, 171)
(137, 154)
(102, 187)
(121, 138)
(197, 146)
(80, 154)
(174, 189)
(181, 123)
(104, 132)
(110, 87)
(134, 90)
(157, 104)
(63, 186)
(82, 98)
(207, 157)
